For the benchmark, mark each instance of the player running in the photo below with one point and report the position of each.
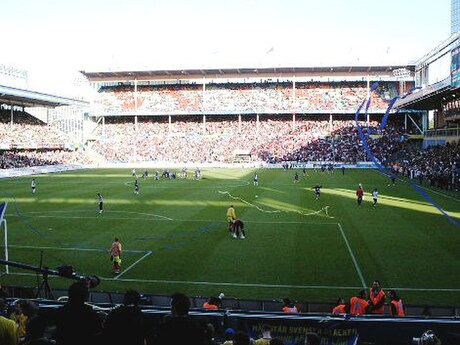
(100, 202)
(317, 191)
(375, 196)
(136, 187)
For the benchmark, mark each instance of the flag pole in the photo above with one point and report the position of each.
(6, 243)
(3, 207)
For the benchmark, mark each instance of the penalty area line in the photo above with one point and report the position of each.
(353, 258)
(134, 264)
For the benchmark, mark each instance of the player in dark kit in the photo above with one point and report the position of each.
(136, 187)
(318, 191)
(100, 202)
(238, 226)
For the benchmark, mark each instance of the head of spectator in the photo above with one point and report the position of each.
(78, 293)
(241, 338)
(180, 304)
(29, 308)
(229, 334)
(393, 295)
(36, 328)
(376, 286)
(131, 298)
(312, 339)
(362, 294)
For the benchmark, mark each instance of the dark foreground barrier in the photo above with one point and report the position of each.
(291, 328)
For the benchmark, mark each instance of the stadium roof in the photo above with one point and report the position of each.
(272, 72)
(430, 97)
(26, 98)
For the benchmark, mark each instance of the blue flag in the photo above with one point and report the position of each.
(3, 206)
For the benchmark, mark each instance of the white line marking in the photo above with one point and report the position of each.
(36, 215)
(127, 269)
(156, 281)
(355, 262)
(86, 211)
(276, 211)
(144, 214)
(69, 249)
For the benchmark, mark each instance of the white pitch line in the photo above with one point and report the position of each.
(143, 214)
(134, 264)
(37, 215)
(157, 281)
(355, 262)
(69, 249)
(313, 213)
(86, 211)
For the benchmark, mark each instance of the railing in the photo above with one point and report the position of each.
(449, 132)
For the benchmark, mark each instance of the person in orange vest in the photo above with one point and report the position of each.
(212, 303)
(115, 255)
(377, 298)
(359, 304)
(341, 307)
(396, 304)
(289, 307)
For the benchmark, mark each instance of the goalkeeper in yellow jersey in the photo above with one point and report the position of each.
(231, 216)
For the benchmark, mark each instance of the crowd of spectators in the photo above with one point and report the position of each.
(27, 132)
(28, 142)
(271, 139)
(25, 141)
(77, 323)
(438, 166)
(33, 158)
(243, 97)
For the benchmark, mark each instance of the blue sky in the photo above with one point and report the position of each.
(61, 37)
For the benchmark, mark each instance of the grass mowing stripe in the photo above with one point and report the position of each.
(162, 219)
(71, 249)
(355, 262)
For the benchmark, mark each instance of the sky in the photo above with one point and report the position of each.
(54, 39)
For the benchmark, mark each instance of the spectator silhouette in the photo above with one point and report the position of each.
(36, 332)
(76, 322)
(125, 324)
(179, 327)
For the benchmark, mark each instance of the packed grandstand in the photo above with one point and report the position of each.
(310, 122)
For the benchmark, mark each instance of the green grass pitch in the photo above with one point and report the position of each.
(174, 234)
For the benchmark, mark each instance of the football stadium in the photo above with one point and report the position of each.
(307, 204)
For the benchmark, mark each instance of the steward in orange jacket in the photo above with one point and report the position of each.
(377, 298)
(358, 304)
(396, 304)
